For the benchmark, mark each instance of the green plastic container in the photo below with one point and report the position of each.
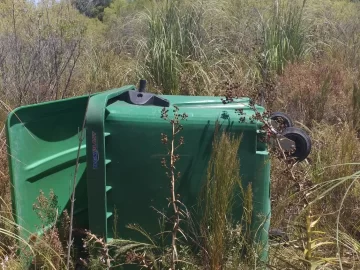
(120, 165)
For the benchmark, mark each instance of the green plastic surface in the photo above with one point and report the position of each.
(125, 152)
(120, 166)
(42, 144)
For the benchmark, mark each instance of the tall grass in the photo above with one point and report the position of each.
(222, 179)
(224, 242)
(41, 251)
(322, 194)
(174, 37)
(284, 36)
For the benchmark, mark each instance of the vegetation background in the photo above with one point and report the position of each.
(300, 57)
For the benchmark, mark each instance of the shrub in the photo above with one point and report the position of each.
(314, 92)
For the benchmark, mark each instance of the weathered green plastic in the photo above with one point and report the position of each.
(124, 153)
(42, 142)
(120, 167)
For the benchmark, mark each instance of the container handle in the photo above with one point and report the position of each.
(96, 158)
(140, 97)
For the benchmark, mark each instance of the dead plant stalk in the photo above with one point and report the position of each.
(81, 138)
(173, 201)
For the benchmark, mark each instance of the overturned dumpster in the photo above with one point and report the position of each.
(119, 179)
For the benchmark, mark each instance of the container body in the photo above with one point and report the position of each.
(126, 181)
(120, 179)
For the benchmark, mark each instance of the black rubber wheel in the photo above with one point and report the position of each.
(284, 118)
(277, 234)
(302, 142)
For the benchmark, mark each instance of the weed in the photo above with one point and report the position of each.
(312, 92)
(284, 37)
(175, 46)
(98, 250)
(222, 178)
(49, 249)
(174, 177)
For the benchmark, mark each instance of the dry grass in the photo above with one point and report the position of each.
(315, 92)
(323, 182)
(6, 219)
(203, 48)
(222, 180)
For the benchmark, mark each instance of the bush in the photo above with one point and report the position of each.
(314, 92)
